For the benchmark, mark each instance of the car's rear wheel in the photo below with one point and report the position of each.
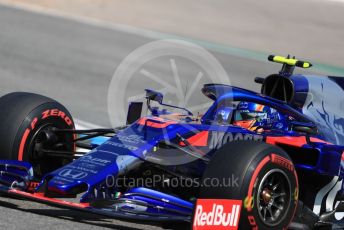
(267, 183)
(27, 122)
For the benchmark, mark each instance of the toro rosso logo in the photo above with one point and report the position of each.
(216, 214)
(73, 174)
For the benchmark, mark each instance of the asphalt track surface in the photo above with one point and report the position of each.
(74, 62)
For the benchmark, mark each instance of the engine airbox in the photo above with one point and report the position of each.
(292, 90)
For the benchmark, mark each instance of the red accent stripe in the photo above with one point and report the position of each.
(22, 144)
(314, 139)
(160, 123)
(199, 140)
(255, 174)
(292, 141)
(41, 197)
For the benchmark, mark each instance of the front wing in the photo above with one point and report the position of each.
(138, 204)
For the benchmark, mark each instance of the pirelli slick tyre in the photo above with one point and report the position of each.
(264, 186)
(26, 121)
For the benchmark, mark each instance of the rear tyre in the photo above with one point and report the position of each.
(267, 183)
(26, 124)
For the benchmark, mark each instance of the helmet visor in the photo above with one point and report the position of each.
(245, 115)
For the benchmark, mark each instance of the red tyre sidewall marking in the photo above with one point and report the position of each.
(289, 165)
(296, 199)
(255, 175)
(22, 144)
(45, 114)
(250, 190)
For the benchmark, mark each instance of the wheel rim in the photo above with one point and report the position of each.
(40, 141)
(273, 197)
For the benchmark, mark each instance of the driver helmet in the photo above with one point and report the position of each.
(253, 116)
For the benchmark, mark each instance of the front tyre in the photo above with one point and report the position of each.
(267, 183)
(27, 122)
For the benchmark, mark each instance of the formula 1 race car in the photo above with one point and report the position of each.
(272, 160)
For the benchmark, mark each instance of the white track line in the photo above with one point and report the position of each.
(324, 1)
(341, 1)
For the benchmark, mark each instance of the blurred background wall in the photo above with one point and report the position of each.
(311, 29)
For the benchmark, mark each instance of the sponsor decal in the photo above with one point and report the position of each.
(296, 194)
(94, 160)
(33, 123)
(73, 174)
(218, 139)
(252, 222)
(133, 139)
(109, 152)
(84, 168)
(217, 214)
(249, 203)
(86, 165)
(122, 145)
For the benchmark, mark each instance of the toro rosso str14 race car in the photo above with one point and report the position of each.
(280, 153)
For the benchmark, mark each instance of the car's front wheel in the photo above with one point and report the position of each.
(27, 121)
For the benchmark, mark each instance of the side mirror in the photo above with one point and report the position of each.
(310, 129)
(307, 130)
(154, 96)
